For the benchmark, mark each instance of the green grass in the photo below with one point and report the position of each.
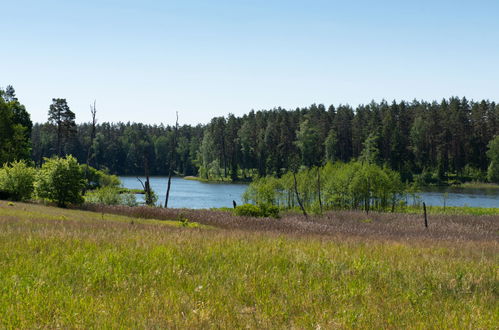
(440, 210)
(478, 185)
(76, 269)
(220, 179)
(451, 210)
(217, 180)
(131, 191)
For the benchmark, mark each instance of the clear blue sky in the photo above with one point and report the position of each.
(144, 60)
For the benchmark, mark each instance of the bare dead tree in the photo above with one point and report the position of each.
(147, 185)
(93, 111)
(298, 196)
(319, 186)
(170, 165)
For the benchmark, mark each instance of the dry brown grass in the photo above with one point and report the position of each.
(392, 226)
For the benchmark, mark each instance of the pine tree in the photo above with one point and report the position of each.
(61, 116)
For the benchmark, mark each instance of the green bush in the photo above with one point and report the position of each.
(263, 210)
(248, 210)
(97, 179)
(110, 196)
(128, 199)
(60, 180)
(104, 195)
(471, 173)
(17, 180)
(269, 210)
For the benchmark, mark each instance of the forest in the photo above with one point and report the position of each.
(434, 142)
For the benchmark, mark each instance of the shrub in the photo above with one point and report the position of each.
(269, 210)
(110, 196)
(105, 195)
(128, 199)
(97, 179)
(248, 210)
(262, 210)
(60, 180)
(471, 173)
(16, 181)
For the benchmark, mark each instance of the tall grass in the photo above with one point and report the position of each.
(76, 269)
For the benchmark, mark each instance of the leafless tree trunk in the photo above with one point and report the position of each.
(319, 186)
(172, 155)
(93, 111)
(146, 185)
(298, 196)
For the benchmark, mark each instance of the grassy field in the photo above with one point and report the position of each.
(80, 269)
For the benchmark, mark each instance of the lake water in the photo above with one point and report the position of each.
(189, 193)
(461, 197)
(200, 195)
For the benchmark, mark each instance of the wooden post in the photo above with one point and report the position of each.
(425, 217)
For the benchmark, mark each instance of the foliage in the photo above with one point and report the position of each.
(437, 139)
(97, 179)
(261, 210)
(493, 154)
(343, 186)
(308, 142)
(109, 195)
(248, 210)
(104, 195)
(15, 128)
(269, 210)
(64, 119)
(128, 199)
(473, 174)
(60, 180)
(370, 152)
(17, 180)
(330, 145)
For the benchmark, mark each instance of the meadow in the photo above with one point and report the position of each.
(112, 267)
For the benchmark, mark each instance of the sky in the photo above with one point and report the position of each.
(142, 61)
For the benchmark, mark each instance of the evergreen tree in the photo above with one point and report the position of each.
(61, 116)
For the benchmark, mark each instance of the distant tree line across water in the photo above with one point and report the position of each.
(434, 140)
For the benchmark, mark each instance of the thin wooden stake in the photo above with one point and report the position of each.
(425, 217)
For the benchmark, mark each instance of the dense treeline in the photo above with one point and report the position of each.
(436, 139)
(124, 148)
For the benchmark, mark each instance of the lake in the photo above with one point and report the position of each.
(200, 195)
(460, 197)
(190, 193)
